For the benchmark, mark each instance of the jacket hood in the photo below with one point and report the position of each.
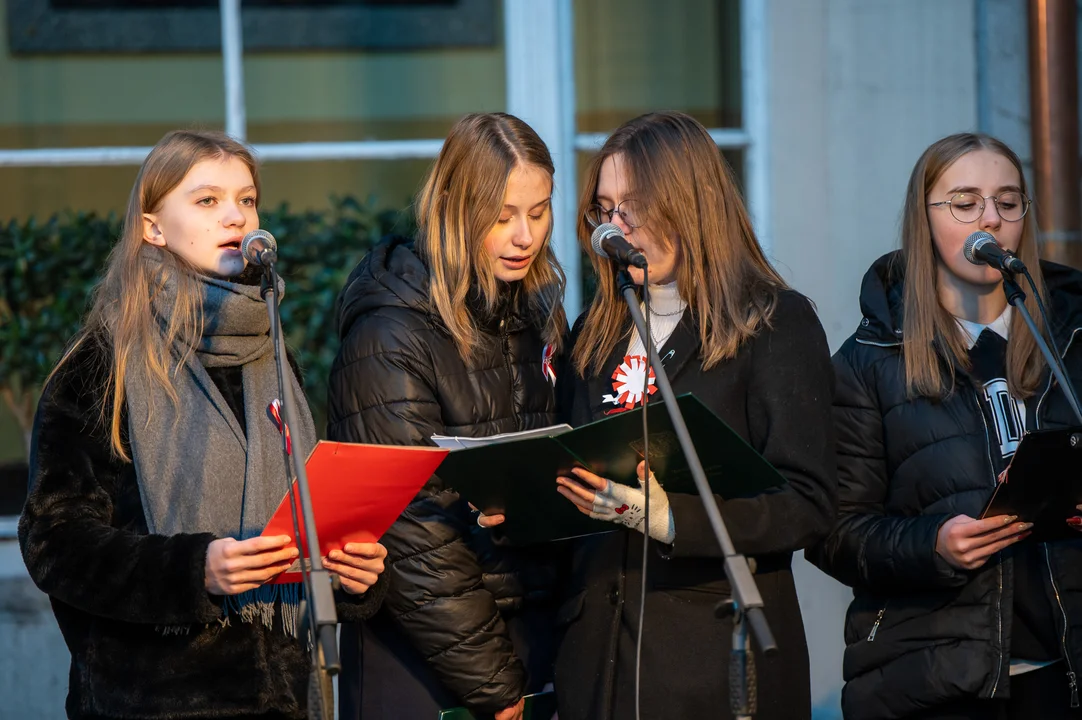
(390, 275)
(882, 300)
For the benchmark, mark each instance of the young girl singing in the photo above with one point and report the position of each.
(155, 466)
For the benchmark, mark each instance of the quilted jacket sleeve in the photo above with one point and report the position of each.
(866, 547)
(383, 390)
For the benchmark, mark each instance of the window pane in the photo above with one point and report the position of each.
(61, 101)
(41, 192)
(92, 100)
(97, 99)
(310, 185)
(369, 96)
(735, 158)
(634, 56)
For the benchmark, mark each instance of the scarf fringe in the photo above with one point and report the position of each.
(168, 630)
(257, 605)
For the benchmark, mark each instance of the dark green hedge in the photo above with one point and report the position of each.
(47, 270)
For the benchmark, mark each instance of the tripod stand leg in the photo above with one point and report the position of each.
(320, 690)
(743, 685)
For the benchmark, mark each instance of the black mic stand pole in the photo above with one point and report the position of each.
(1017, 298)
(318, 610)
(746, 604)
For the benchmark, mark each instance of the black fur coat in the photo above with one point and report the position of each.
(113, 587)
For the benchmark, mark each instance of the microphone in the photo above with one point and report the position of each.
(259, 248)
(609, 241)
(981, 248)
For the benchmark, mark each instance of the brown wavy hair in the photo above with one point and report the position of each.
(120, 312)
(691, 200)
(459, 204)
(930, 333)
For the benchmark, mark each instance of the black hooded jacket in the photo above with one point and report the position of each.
(920, 633)
(398, 379)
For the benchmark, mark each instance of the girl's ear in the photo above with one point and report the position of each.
(152, 233)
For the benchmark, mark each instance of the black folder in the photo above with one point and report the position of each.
(1044, 484)
(517, 477)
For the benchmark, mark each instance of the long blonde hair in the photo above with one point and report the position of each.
(459, 204)
(677, 173)
(121, 311)
(930, 333)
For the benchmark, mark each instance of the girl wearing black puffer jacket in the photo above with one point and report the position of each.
(952, 617)
(456, 333)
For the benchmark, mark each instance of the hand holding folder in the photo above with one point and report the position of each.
(357, 492)
(1043, 484)
(516, 475)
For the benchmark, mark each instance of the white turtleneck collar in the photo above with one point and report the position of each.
(666, 309)
(665, 300)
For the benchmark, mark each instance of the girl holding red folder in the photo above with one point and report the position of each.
(953, 617)
(455, 333)
(155, 465)
(729, 330)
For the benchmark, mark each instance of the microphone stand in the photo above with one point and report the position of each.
(1017, 298)
(746, 604)
(318, 614)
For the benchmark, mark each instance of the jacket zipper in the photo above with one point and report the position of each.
(878, 344)
(878, 619)
(505, 343)
(1072, 678)
(1052, 378)
(999, 566)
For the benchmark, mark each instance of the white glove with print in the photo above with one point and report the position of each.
(603, 499)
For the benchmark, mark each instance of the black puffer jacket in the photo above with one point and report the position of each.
(398, 379)
(919, 633)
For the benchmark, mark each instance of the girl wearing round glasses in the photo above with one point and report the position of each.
(728, 329)
(952, 617)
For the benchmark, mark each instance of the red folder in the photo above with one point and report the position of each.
(357, 492)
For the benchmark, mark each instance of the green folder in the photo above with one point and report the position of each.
(517, 477)
(541, 706)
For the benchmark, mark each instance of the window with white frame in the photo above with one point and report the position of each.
(325, 120)
(369, 123)
(577, 69)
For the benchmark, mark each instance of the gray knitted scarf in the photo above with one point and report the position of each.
(197, 470)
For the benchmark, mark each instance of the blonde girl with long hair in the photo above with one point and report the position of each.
(155, 466)
(952, 616)
(457, 331)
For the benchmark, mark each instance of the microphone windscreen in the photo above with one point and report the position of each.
(255, 243)
(972, 241)
(601, 232)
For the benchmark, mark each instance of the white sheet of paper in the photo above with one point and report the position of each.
(459, 442)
